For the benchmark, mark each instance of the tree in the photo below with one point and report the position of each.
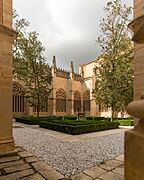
(30, 66)
(114, 72)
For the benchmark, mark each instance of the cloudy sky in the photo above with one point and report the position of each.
(67, 28)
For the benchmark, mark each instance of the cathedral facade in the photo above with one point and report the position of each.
(71, 93)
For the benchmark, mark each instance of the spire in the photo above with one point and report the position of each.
(82, 72)
(72, 69)
(53, 65)
(54, 62)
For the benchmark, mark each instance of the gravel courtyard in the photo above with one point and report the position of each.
(69, 155)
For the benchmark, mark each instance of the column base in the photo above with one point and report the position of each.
(134, 155)
(7, 146)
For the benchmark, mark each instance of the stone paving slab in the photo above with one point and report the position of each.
(111, 164)
(111, 176)
(24, 154)
(81, 176)
(17, 175)
(9, 159)
(95, 172)
(13, 169)
(26, 166)
(46, 171)
(119, 170)
(31, 159)
(34, 177)
(120, 158)
(14, 163)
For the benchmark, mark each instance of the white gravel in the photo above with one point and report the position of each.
(69, 157)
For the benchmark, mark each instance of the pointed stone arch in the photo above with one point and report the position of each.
(77, 101)
(18, 101)
(61, 97)
(86, 101)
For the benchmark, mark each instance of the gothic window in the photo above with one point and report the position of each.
(18, 98)
(77, 101)
(60, 101)
(86, 101)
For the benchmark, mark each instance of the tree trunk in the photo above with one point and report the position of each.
(38, 111)
(112, 114)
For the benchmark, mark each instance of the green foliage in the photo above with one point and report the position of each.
(114, 71)
(96, 118)
(69, 126)
(70, 117)
(30, 66)
(125, 122)
(79, 129)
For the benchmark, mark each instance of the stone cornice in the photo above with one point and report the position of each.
(8, 31)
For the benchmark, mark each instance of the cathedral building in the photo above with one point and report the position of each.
(71, 93)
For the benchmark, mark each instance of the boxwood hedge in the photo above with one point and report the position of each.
(79, 128)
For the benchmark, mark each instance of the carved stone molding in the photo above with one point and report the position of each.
(8, 31)
(137, 26)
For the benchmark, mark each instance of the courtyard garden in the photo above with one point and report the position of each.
(71, 125)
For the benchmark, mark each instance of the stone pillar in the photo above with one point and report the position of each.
(54, 96)
(72, 88)
(72, 101)
(134, 144)
(6, 40)
(139, 55)
(93, 106)
(134, 139)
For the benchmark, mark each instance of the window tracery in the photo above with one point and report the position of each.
(86, 101)
(18, 98)
(77, 101)
(61, 101)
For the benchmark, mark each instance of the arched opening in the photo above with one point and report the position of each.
(77, 101)
(61, 101)
(18, 99)
(86, 102)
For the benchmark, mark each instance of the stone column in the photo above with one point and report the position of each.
(72, 88)
(134, 144)
(6, 40)
(134, 139)
(93, 105)
(139, 55)
(53, 99)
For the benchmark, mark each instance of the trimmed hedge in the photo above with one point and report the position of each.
(97, 118)
(127, 122)
(35, 121)
(30, 121)
(78, 129)
(70, 117)
(72, 120)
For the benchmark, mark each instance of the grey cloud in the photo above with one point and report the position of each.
(67, 28)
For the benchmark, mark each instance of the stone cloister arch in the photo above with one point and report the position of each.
(77, 101)
(61, 98)
(86, 101)
(18, 101)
